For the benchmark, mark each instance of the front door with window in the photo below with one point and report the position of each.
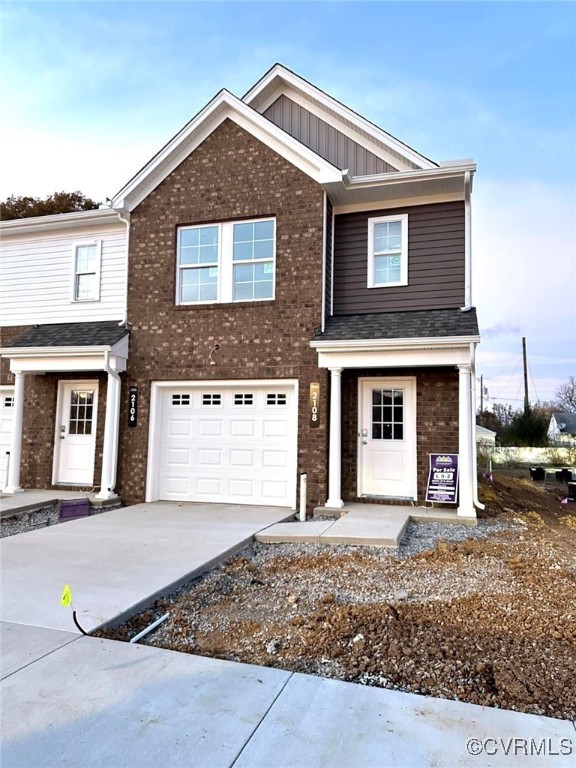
(76, 432)
(387, 438)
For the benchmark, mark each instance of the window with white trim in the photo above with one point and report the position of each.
(223, 263)
(86, 272)
(388, 251)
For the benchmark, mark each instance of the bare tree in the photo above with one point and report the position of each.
(566, 396)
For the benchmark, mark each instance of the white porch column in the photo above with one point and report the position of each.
(13, 485)
(465, 437)
(335, 446)
(111, 429)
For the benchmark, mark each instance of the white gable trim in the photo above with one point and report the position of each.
(280, 80)
(224, 105)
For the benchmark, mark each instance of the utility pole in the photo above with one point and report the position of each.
(481, 395)
(526, 401)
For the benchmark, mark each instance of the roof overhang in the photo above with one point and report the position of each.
(223, 106)
(393, 353)
(448, 181)
(67, 359)
(98, 218)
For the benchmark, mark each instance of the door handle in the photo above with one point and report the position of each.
(62, 437)
(364, 442)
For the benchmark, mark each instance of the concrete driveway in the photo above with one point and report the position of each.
(120, 559)
(84, 702)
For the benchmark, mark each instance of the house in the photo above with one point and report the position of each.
(562, 429)
(300, 302)
(64, 342)
(485, 438)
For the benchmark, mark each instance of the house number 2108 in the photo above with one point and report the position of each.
(314, 405)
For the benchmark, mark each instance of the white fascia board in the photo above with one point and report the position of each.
(394, 358)
(98, 217)
(382, 179)
(345, 113)
(368, 345)
(223, 106)
(118, 350)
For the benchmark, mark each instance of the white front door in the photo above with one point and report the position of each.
(75, 446)
(6, 419)
(387, 438)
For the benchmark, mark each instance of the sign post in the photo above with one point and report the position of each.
(443, 478)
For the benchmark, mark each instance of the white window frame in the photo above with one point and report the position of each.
(403, 219)
(225, 282)
(98, 245)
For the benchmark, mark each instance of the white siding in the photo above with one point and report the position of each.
(36, 276)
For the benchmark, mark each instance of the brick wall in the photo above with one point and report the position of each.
(231, 175)
(436, 419)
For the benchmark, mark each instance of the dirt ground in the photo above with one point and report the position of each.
(488, 620)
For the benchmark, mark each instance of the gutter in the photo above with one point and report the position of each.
(467, 242)
(126, 219)
(116, 406)
(365, 345)
(381, 179)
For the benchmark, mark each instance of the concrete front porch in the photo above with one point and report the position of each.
(371, 524)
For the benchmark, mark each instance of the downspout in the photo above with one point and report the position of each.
(116, 377)
(475, 499)
(126, 221)
(467, 242)
(324, 256)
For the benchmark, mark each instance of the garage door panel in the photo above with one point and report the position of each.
(221, 444)
(242, 428)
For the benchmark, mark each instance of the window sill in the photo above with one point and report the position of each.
(226, 305)
(388, 285)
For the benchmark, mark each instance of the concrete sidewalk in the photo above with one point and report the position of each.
(359, 524)
(92, 703)
(118, 560)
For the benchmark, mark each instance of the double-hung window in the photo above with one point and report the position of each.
(86, 272)
(388, 251)
(221, 263)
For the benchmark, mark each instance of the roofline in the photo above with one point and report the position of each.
(446, 172)
(53, 351)
(224, 104)
(377, 133)
(72, 220)
(363, 345)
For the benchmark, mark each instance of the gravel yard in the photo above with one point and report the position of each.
(486, 615)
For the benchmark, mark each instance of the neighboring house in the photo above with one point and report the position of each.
(562, 429)
(485, 438)
(299, 293)
(63, 341)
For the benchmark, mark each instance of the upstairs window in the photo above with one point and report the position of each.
(223, 263)
(388, 251)
(86, 273)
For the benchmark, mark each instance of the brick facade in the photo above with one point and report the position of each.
(231, 175)
(436, 420)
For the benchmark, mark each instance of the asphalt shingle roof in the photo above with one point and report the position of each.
(96, 334)
(569, 421)
(420, 324)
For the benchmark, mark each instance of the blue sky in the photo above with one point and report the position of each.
(91, 90)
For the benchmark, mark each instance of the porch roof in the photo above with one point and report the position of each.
(419, 324)
(92, 334)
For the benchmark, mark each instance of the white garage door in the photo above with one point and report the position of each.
(6, 414)
(229, 444)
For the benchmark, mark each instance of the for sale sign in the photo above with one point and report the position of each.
(443, 478)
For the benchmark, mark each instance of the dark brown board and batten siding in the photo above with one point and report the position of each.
(435, 261)
(326, 141)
